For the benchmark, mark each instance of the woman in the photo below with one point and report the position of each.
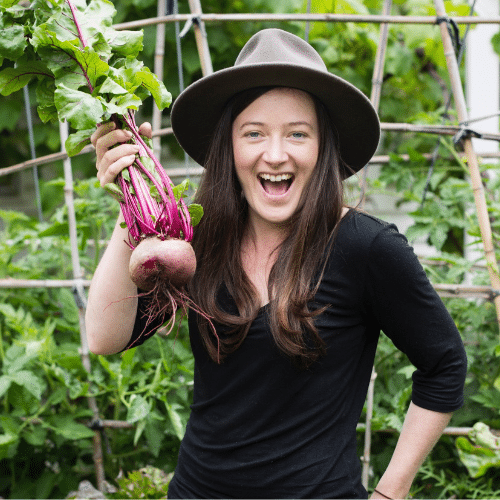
(299, 287)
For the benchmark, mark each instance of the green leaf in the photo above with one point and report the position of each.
(97, 16)
(71, 65)
(495, 42)
(407, 371)
(196, 213)
(92, 65)
(116, 193)
(438, 235)
(56, 229)
(45, 98)
(13, 79)
(477, 459)
(8, 445)
(27, 379)
(44, 10)
(35, 435)
(139, 429)
(160, 94)
(181, 189)
(138, 409)
(67, 427)
(77, 141)
(81, 110)
(496, 383)
(12, 40)
(120, 104)
(5, 382)
(481, 435)
(175, 419)
(125, 43)
(7, 4)
(155, 434)
(93, 19)
(46, 43)
(10, 111)
(109, 86)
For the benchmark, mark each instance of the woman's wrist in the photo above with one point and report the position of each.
(375, 490)
(386, 491)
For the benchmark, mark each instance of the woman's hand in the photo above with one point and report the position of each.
(113, 151)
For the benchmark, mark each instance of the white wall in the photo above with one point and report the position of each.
(482, 88)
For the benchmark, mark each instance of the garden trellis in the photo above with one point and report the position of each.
(196, 21)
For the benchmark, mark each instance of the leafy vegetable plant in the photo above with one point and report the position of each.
(88, 73)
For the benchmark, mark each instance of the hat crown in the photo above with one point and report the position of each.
(275, 46)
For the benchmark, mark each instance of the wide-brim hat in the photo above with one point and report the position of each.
(273, 57)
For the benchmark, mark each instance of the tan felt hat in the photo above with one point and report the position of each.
(273, 57)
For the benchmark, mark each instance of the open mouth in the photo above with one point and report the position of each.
(276, 185)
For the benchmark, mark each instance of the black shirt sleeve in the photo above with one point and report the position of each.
(144, 327)
(409, 311)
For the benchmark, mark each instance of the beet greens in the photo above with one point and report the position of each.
(88, 73)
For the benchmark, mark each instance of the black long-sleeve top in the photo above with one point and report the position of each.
(262, 428)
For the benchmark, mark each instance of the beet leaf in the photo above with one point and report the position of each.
(87, 73)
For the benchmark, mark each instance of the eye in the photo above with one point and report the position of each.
(253, 135)
(298, 135)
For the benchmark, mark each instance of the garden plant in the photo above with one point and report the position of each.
(46, 427)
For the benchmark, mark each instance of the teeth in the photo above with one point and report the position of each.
(275, 178)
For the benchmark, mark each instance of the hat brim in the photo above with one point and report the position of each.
(197, 110)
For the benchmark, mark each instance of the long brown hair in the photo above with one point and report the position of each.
(296, 274)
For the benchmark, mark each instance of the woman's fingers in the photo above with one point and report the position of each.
(107, 141)
(114, 160)
(101, 130)
(113, 151)
(108, 172)
(146, 130)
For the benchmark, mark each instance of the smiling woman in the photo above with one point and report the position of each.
(275, 154)
(297, 285)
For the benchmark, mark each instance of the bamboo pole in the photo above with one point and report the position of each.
(475, 176)
(158, 70)
(20, 283)
(449, 431)
(377, 79)
(378, 72)
(444, 290)
(196, 171)
(43, 160)
(81, 304)
(201, 37)
(343, 18)
(449, 130)
(432, 129)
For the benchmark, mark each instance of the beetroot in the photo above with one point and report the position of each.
(169, 261)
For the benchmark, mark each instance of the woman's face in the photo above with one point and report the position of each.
(275, 142)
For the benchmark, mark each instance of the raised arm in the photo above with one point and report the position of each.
(112, 302)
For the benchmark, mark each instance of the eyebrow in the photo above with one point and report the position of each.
(291, 124)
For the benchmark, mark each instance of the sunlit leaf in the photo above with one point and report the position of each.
(81, 110)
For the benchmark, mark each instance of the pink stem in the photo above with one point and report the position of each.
(82, 40)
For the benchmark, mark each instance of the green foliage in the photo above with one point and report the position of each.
(86, 70)
(147, 482)
(150, 386)
(442, 217)
(477, 457)
(444, 480)
(45, 438)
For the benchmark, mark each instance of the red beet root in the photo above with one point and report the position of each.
(156, 261)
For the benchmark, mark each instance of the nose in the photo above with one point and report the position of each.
(275, 153)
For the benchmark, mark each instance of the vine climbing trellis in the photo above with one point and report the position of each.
(167, 13)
